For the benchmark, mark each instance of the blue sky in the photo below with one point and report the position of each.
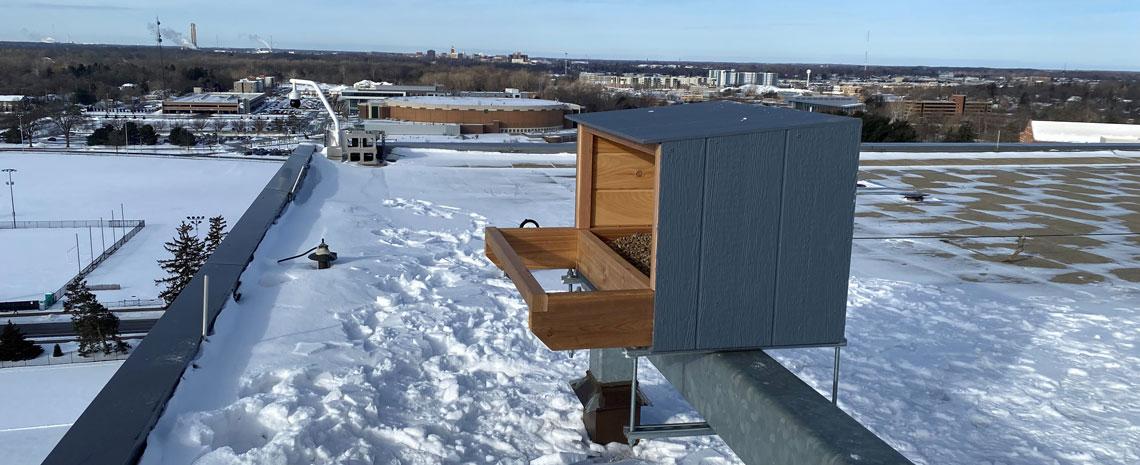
(1055, 34)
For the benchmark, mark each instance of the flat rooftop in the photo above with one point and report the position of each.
(215, 97)
(413, 347)
(463, 103)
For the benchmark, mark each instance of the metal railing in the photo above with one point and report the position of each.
(70, 357)
(70, 224)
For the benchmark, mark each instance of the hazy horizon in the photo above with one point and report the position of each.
(1045, 34)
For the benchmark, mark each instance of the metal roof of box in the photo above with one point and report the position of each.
(699, 120)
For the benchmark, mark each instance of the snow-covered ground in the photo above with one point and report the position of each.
(161, 191)
(50, 259)
(38, 404)
(413, 348)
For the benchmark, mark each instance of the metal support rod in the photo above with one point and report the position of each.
(123, 218)
(632, 404)
(11, 193)
(114, 238)
(835, 379)
(102, 236)
(205, 302)
(90, 246)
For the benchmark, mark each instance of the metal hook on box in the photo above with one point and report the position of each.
(530, 221)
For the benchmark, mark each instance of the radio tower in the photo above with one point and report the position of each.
(161, 64)
(867, 52)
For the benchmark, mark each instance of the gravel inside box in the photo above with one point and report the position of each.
(637, 248)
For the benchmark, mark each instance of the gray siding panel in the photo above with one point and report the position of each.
(815, 234)
(681, 177)
(739, 234)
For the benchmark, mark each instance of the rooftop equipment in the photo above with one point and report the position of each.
(750, 211)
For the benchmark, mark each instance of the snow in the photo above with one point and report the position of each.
(413, 348)
(41, 260)
(996, 155)
(160, 190)
(40, 403)
(1068, 131)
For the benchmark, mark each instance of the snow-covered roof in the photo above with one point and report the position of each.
(478, 103)
(216, 97)
(1066, 131)
(11, 98)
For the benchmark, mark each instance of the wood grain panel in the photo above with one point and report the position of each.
(594, 320)
(513, 266)
(584, 185)
(605, 269)
(616, 168)
(541, 248)
(645, 148)
(623, 208)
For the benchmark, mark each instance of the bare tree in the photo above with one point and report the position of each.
(66, 118)
(259, 125)
(239, 125)
(199, 123)
(29, 117)
(218, 125)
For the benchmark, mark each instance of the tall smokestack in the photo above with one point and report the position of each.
(194, 35)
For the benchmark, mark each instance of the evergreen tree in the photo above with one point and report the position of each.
(14, 346)
(182, 136)
(57, 352)
(95, 326)
(216, 234)
(187, 256)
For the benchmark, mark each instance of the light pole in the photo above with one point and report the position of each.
(11, 195)
(195, 220)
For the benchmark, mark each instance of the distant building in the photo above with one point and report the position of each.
(734, 78)
(509, 92)
(249, 86)
(826, 103)
(430, 55)
(1072, 132)
(365, 92)
(474, 115)
(642, 81)
(230, 103)
(956, 105)
(519, 58)
(769, 79)
(11, 102)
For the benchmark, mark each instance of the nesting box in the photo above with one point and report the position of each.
(750, 209)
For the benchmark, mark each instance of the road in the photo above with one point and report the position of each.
(64, 328)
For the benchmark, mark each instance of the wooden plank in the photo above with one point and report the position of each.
(541, 248)
(584, 185)
(681, 169)
(513, 266)
(815, 234)
(739, 236)
(611, 233)
(616, 167)
(595, 320)
(623, 207)
(644, 148)
(605, 269)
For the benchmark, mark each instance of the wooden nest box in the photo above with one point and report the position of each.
(750, 210)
